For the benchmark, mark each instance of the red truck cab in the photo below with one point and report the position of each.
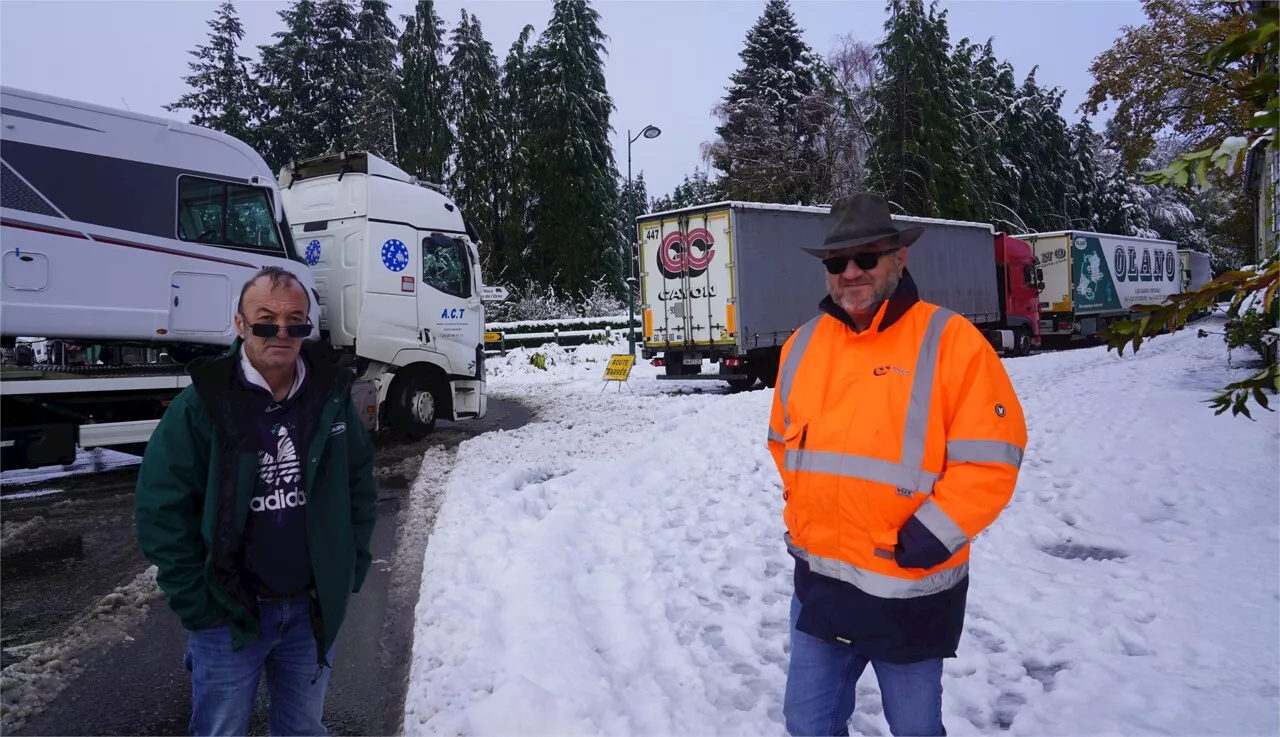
(1020, 284)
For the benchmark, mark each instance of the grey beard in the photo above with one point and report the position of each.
(880, 295)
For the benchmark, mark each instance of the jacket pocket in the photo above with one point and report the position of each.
(796, 513)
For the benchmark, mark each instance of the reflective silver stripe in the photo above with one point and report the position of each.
(776, 437)
(792, 364)
(942, 526)
(878, 584)
(861, 467)
(917, 423)
(984, 451)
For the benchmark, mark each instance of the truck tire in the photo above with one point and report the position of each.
(741, 385)
(1022, 342)
(413, 403)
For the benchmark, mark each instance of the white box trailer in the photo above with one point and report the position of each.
(127, 235)
(1197, 269)
(1095, 279)
(121, 227)
(729, 283)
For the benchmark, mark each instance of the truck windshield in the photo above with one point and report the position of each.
(446, 265)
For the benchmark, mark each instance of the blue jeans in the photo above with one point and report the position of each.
(224, 682)
(820, 688)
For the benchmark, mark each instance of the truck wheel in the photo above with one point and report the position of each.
(1022, 342)
(741, 385)
(413, 407)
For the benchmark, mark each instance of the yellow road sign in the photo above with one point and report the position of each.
(619, 368)
(492, 337)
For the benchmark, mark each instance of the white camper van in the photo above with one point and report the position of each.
(398, 275)
(126, 238)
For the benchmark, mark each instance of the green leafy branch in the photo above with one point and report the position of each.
(1172, 315)
(1261, 42)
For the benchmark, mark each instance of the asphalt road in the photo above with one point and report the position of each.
(63, 552)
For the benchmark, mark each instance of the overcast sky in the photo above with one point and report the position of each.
(134, 52)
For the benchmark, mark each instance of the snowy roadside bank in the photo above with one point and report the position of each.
(617, 567)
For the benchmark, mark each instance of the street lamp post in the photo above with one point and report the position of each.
(649, 131)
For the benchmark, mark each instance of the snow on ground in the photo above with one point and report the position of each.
(617, 566)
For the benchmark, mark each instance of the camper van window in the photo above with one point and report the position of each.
(226, 214)
(445, 265)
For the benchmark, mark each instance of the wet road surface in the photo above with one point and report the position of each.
(63, 552)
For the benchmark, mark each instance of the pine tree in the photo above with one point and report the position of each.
(698, 190)
(1084, 194)
(574, 179)
(338, 78)
(515, 197)
(425, 139)
(634, 202)
(287, 71)
(1038, 145)
(475, 112)
(773, 115)
(223, 95)
(374, 125)
(916, 149)
(1120, 201)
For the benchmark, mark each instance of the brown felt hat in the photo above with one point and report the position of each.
(861, 219)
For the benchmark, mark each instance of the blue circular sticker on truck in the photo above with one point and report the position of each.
(313, 253)
(395, 255)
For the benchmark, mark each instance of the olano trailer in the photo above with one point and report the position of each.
(1095, 279)
(729, 283)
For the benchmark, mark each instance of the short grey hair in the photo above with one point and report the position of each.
(279, 276)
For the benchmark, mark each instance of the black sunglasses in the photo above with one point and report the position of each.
(866, 260)
(271, 330)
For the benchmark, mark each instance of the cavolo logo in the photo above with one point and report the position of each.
(683, 253)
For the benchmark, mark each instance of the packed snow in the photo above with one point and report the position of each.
(617, 566)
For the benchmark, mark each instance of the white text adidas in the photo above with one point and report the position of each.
(279, 500)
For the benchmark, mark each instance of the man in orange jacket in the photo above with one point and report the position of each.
(899, 438)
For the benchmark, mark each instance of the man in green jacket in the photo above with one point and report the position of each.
(256, 501)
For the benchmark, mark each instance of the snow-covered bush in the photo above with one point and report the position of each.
(532, 301)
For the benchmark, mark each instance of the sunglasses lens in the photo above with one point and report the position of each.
(271, 330)
(866, 261)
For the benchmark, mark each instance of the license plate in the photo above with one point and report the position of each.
(692, 361)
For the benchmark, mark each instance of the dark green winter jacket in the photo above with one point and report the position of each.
(196, 482)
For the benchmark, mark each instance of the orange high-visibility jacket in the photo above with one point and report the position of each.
(896, 446)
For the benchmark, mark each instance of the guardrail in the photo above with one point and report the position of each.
(566, 333)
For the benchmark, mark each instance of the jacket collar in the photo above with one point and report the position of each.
(891, 310)
(218, 371)
(255, 377)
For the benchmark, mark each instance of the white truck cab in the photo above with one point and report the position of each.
(398, 276)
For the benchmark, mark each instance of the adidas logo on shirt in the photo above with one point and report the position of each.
(282, 473)
(278, 500)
